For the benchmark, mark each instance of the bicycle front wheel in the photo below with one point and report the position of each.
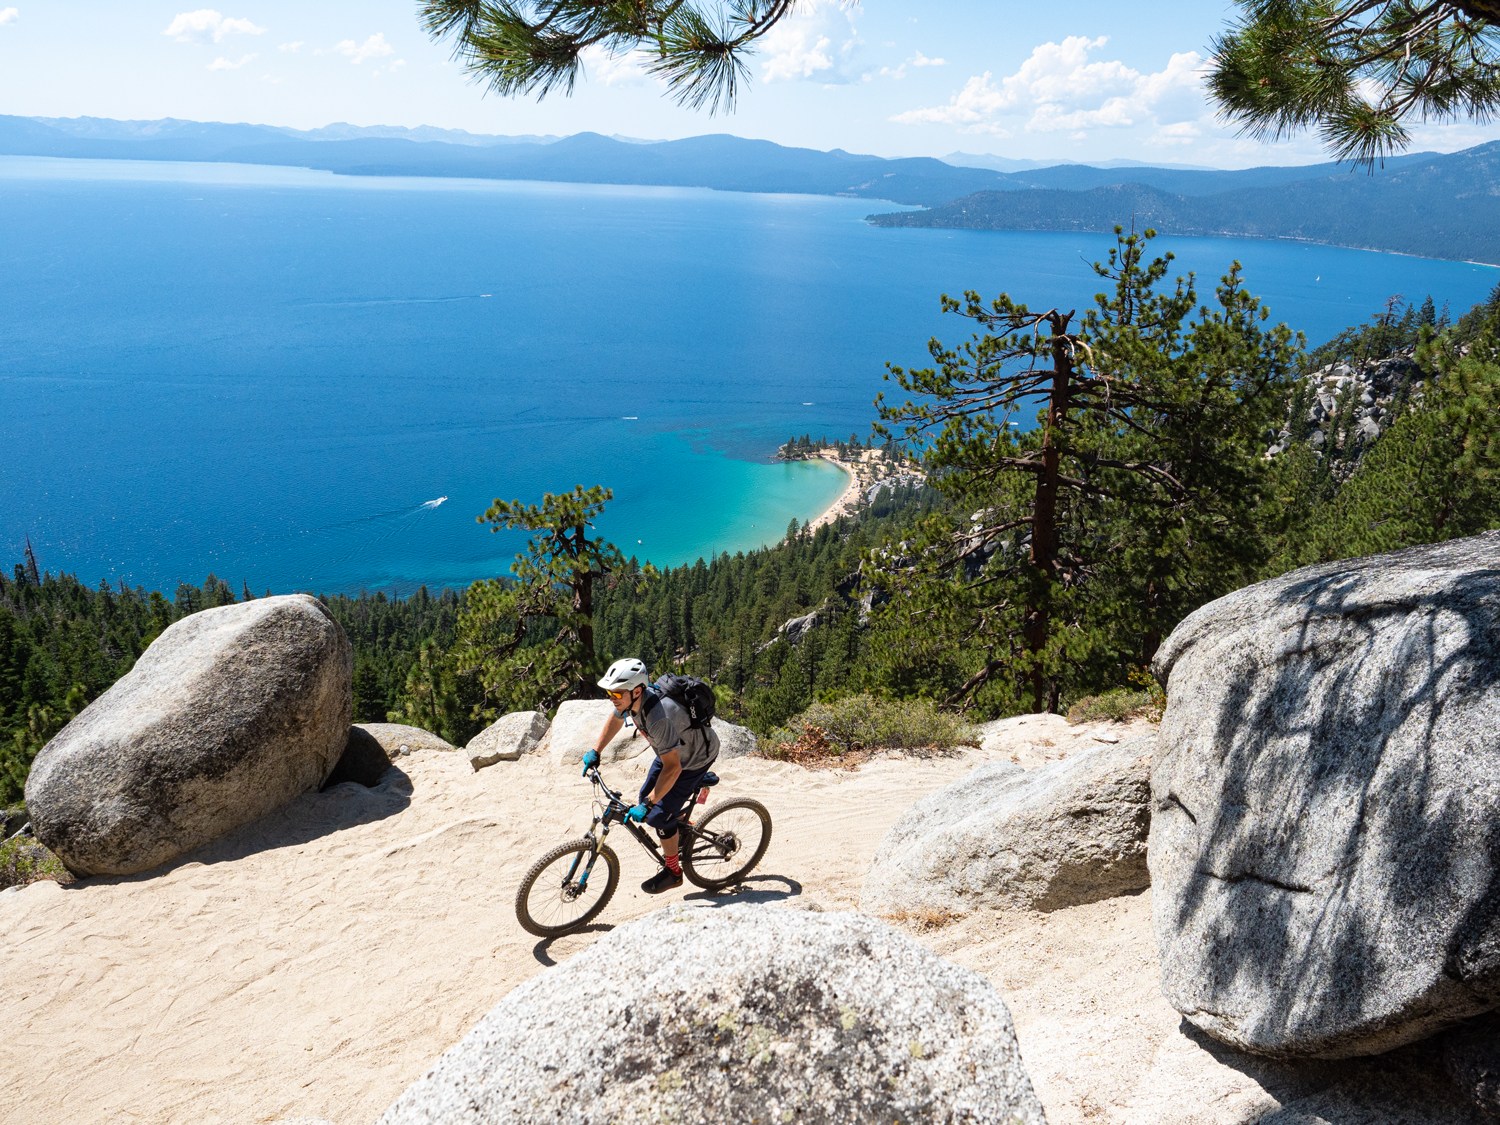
(565, 889)
(727, 843)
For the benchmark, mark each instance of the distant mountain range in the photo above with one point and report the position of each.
(1431, 205)
(1443, 206)
(723, 162)
(104, 128)
(1015, 164)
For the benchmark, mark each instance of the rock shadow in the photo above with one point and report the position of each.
(1350, 828)
(308, 817)
(1402, 1087)
(542, 950)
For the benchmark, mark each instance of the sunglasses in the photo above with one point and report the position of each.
(616, 695)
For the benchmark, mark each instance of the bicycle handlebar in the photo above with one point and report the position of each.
(614, 797)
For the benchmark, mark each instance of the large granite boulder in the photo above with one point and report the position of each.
(746, 1013)
(1063, 834)
(575, 728)
(1325, 834)
(734, 741)
(399, 739)
(507, 738)
(230, 713)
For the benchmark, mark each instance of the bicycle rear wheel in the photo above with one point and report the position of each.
(565, 889)
(726, 844)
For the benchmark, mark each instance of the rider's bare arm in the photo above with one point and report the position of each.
(671, 769)
(612, 727)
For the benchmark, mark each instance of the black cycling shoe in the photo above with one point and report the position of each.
(664, 880)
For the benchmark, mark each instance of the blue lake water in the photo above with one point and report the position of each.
(269, 374)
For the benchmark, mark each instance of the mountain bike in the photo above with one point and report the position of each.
(567, 888)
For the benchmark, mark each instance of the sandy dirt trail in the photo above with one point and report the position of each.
(315, 963)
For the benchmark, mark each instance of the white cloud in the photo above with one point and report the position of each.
(9, 15)
(799, 57)
(814, 42)
(897, 73)
(375, 47)
(208, 26)
(1061, 88)
(973, 109)
(292, 48)
(605, 68)
(222, 63)
(1177, 93)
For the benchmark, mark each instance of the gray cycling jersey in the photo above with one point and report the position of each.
(665, 724)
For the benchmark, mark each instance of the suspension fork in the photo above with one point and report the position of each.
(598, 843)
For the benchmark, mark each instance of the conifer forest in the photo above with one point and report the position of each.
(1086, 481)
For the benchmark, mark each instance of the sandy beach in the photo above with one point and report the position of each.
(314, 964)
(863, 470)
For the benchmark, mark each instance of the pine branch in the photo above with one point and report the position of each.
(532, 47)
(1357, 71)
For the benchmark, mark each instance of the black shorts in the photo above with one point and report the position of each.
(663, 816)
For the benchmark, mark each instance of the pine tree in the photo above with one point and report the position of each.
(530, 641)
(430, 698)
(1079, 542)
(1427, 316)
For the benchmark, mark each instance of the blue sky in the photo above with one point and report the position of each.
(1080, 80)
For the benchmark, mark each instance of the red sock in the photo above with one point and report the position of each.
(674, 863)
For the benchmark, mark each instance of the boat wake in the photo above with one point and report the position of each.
(366, 537)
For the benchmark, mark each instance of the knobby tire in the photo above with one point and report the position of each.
(744, 829)
(554, 898)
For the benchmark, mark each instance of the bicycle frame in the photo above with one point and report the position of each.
(613, 812)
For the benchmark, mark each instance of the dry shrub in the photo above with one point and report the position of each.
(852, 729)
(924, 919)
(1115, 706)
(1145, 699)
(812, 748)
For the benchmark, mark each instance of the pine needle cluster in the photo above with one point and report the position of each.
(1357, 70)
(521, 47)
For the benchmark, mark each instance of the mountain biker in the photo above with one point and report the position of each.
(684, 754)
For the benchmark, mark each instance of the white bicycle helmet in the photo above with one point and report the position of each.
(625, 674)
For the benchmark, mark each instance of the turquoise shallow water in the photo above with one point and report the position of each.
(270, 374)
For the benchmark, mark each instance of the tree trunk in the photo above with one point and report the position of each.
(1044, 529)
(583, 606)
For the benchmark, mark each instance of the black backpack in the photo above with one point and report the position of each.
(692, 695)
